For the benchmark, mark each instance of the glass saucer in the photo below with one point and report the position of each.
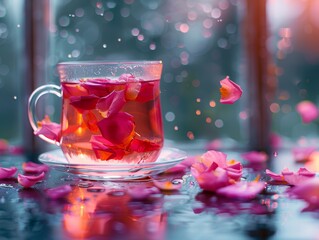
(167, 159)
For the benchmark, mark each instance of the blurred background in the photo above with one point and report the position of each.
(269, 47)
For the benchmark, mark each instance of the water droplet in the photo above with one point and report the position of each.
(96, 189)
(177, 181)
(85, 184)
(116, 193)
(275, 154)
(3, 185)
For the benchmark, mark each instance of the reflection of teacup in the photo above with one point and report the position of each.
(111, 112)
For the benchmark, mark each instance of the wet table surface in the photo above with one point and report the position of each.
(104, 210)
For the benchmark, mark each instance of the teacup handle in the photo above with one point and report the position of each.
(32, 104)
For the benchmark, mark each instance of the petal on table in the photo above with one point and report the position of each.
(29, 181)
(308, 111)
(214, 156)
(111, 103)
(255, 157)
(242, 190)
(235, 171)
(31, 167)
(49, 129)
(58, 192)
(275, 176)
(296, 178)
(230, 91)
(308, 191)
(84, 102)
(302, 154)
(118, 128)
(148, 91)
(7, 172)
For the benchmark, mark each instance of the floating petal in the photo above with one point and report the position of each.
(145, 145)
(49, 129)
(118, 128)
(7, 172)
(29, 181)
(58, 192)
(308, 111)
(230, 91)
(242, 190)
(84, 102)
(111, 104)
(149, 91)
(73, 89)
(105, 150)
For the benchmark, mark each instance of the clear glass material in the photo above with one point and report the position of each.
(111, 112)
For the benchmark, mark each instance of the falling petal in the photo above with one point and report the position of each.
(255, 157)
(230, 91)
(58, 192)
(118, 128)
(242, 190)
(49, 129)
(7, 172)
(308, 111)
(29, 181)
(111, 103)
(84, 102)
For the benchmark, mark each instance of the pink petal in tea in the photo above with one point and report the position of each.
(105, 150)
(84, 102)
(308, 111)
(49, 129)
(242, 190)
(7, 172)
(132, 90)
(31, 167)
(70, 89)
(255, 157)
(118, 128)
(98, 87)
(230, 91)
(111, 103)
(29, 181)
(144, 145)
(149, 91)
(58, 192)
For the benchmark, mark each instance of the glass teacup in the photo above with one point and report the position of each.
(111, 112)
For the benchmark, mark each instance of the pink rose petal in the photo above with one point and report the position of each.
(275, 176)
(214, 156)
(308, 111)
(308, 191)
(58, 192)
(132, 90)
(242, 190)
(127, 77)
(7, 172)
(105, 150)
(183, 166)
(142, 193)
(235, 171)
(118, 128)
(84, 102)
(144, 145)
(29, 181)
(73, 89)
(99, 87)
(149, 91)
(111, 103)
(302, 154)
(31, 167)
(230, 91)
(297, 178)
(255, 157)
(49, 129)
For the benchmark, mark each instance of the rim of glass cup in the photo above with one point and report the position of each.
(111, 62)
